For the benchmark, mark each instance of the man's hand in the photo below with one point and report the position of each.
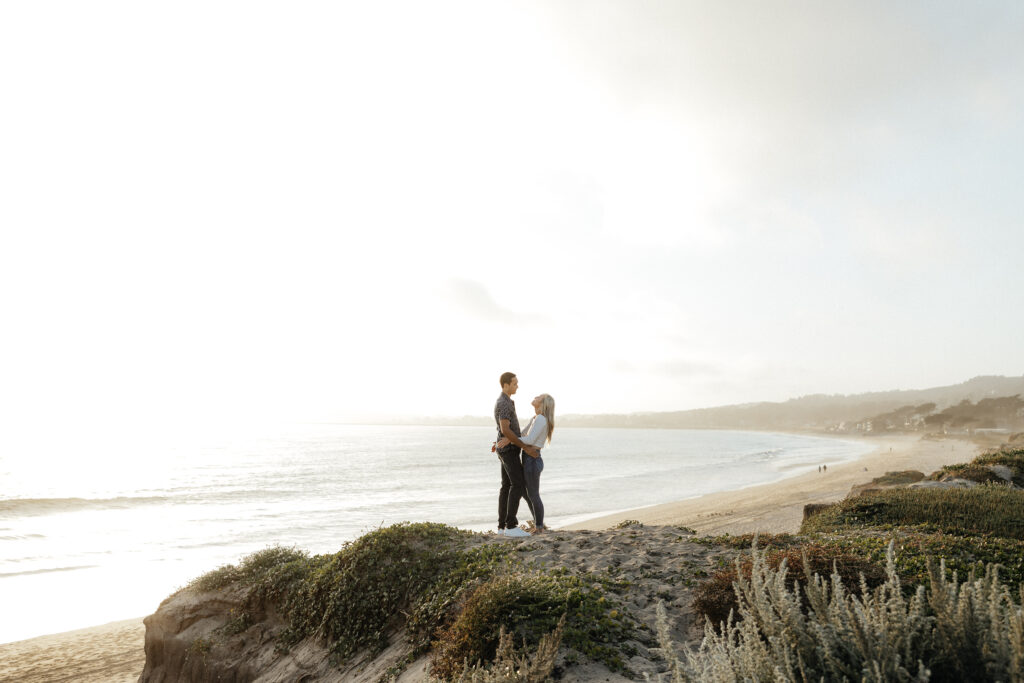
(510, 437)
(502, 442)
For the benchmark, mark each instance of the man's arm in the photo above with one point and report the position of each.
(507, 432)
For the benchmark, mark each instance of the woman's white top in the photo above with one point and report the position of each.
(536, 432)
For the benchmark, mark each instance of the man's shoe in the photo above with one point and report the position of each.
(517, 533)
(500, 532)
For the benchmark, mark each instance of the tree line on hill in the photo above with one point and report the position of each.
(1006, 413)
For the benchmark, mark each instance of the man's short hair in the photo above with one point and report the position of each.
(506, 378)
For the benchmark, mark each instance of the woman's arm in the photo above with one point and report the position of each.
(537, 432)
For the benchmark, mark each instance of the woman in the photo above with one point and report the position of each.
(538, 432)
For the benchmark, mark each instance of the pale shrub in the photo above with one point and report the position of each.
(952, 631)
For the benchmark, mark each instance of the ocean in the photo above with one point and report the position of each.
(92, 540)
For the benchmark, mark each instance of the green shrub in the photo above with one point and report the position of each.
(897, 478)
(250, 570)
(627, 523)
(962, 554)
(352, 598)
(746, 541)
(356, 596)
(970, 472)
(512, 667)
(994, 510)
(1010, 457)
(440, 604)
(506, 602)
(528, 606)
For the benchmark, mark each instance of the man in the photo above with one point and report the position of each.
(513, 485)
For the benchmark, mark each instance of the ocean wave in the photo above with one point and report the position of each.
(21, 537)
(48, 506)
(763, 456)
(48, 570)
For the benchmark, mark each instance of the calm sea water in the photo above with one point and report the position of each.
(96, 540)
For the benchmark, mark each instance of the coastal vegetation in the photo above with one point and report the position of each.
(453, 597)
(947, 607)
(986, 510)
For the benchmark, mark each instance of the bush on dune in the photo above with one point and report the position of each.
(252, 569)
(529, 606)
(970, 472)
(352, 598)
(451, 597)
(992, 510)
(962, 554)
(1012, 458)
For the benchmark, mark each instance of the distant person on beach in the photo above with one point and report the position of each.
(513, 484)
(538, 432)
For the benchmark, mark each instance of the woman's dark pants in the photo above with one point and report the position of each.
(532, 467)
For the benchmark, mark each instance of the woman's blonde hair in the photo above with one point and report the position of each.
(547, 409)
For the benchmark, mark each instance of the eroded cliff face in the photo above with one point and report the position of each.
(190, 638)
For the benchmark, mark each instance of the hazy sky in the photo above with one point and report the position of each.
(213, 209)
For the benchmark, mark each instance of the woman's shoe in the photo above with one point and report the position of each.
(516, 533)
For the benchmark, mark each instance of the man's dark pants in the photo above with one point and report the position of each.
(513, 487)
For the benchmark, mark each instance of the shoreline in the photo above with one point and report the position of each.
(777, 507)
(785, 474)
(114, 652)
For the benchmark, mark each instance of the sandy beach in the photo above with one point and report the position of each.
(111, 652)
(778, 507)
(114, 652)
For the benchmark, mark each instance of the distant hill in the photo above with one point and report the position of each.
(817, 412)
(814, 412)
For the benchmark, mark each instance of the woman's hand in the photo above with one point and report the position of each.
(502, 442)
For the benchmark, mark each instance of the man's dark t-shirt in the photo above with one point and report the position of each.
(505, 409)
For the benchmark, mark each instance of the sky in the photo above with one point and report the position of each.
(215, 211)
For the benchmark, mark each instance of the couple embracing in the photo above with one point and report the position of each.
(519, 453)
